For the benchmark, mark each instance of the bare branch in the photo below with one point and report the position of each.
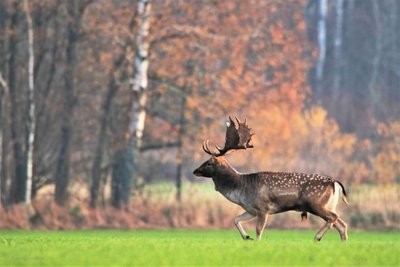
(159, 146)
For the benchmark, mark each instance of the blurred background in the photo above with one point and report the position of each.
(104, 105)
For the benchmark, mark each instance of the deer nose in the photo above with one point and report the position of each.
(196, 172)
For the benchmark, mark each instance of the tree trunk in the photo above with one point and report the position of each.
(179, 156)
(338, 48)
(141, 64)
(31, 108)
(98, 158)
(3, 92)
(18, 185)
(126, 158)
(379, 39)
(322, 14)
(122, 174)
(3, 176)
(63, 162)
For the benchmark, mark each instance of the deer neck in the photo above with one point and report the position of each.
(226, 178)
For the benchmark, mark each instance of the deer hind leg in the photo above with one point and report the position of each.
(341, 226)
(330, 218)
(243, 218)
(261, 221)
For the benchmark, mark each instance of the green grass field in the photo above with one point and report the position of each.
(180, 247)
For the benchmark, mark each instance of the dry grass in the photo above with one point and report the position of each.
(155, 207)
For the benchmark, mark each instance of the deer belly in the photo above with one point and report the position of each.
(235, 196)
(281, 201)
(239, 198)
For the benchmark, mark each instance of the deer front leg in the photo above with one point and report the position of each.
(243, 218)
(322, 231)
(261, 221)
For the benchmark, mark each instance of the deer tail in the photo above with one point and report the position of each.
(344, 195)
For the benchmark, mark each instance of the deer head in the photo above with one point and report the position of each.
(237, 137)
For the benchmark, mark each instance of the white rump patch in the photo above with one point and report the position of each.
(334, 199)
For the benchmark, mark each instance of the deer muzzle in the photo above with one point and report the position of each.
(197, 172)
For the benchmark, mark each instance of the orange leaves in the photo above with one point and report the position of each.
(316, 117)
(252, 58)
(306, 141)
(278, 35)
(386, 168)
(301, 25)
(328, 131)
(386, 162)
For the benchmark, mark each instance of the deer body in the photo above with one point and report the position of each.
(264, 193)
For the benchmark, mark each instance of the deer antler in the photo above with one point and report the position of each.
(237, 137)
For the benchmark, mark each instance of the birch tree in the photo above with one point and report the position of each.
(3, 180)
(126, 158)
(3, 92)
(322, 15)
(31, 107)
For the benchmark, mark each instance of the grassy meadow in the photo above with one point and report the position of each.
(154, 206)
(200, 248)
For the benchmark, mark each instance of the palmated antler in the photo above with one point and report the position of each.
(237, 137)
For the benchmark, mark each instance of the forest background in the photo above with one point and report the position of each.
(104, 105)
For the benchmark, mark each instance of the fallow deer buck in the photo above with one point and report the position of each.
(264, 193)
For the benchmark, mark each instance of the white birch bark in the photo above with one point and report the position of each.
(31, 106)
(125, 171)
(338, 47)
(3, 91)
(141, 64)
(322, 14)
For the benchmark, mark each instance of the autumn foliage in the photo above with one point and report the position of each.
(208, 60)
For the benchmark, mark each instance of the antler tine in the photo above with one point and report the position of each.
(219, 149)
(230, 122)
(207, 149)
(238, 121)
(237, 136)
(248, 145)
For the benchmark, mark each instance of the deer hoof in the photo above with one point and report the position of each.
(248, 238)
(318, 238)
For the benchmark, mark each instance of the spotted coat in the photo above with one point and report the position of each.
(264, 193)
